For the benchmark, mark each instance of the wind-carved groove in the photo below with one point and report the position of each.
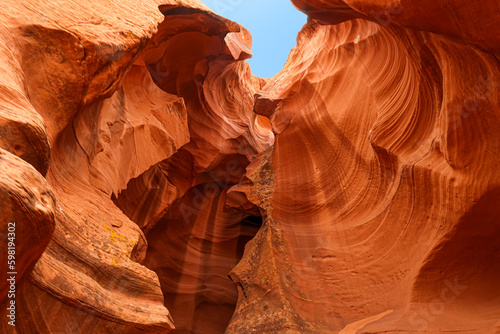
(354, 191)
(196, 232)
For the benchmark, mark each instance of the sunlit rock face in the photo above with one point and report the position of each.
(158, 186)
(385, 222)
(130, 120)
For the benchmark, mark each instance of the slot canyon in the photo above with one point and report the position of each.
(157, 186)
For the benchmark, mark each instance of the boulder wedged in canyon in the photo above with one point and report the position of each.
(354, 192)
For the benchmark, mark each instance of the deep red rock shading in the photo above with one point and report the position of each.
(158, 186)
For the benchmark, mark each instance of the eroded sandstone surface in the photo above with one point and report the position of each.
(158, 186)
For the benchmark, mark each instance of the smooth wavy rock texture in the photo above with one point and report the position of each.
(385, 222)
(158, 186)
(87, 101)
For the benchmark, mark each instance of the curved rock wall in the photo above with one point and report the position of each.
(83, 105)
(158, 186)
(382, 224)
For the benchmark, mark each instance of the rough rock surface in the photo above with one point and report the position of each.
(27, 216)
(140, 156)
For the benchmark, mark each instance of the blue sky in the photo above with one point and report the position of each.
(274, 25)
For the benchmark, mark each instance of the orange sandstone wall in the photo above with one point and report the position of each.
(158, 186)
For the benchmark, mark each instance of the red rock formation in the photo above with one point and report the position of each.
(198, 239)
(84, 72)
(384, 223)
(27, 217)
(148, 155)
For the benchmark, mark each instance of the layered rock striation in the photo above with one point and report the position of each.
(158, 186)
(385, 222)
(122, 110)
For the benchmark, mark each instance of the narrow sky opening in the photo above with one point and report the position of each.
(274, 25)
